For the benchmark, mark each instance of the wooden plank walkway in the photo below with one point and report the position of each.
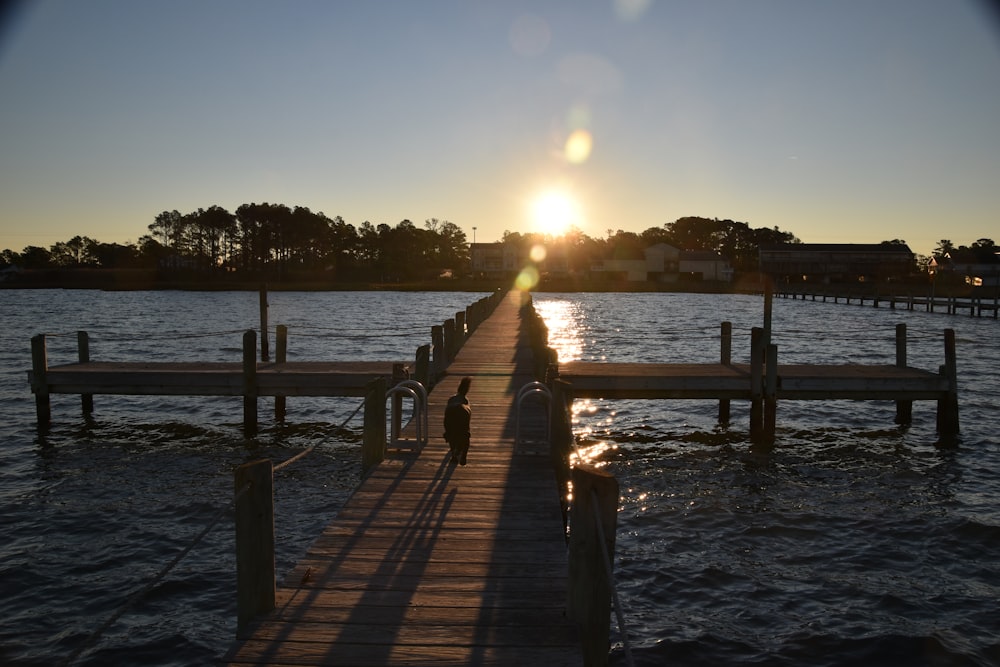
(733, 381)
(431, 563)
(306, 378)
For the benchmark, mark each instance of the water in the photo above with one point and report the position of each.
(853, 541)
(94, 509)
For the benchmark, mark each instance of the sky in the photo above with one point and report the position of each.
(841, 121)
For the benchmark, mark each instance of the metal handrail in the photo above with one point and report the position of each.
(530, 389)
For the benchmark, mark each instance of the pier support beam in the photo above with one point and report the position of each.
(904, 409)
(947, 413)
(280, 356)
(40, 386)
(250, 383)
(593, 522)
(770, 395)
(83, 354)
(373, 445)
(756, 384)
(255, 582)
(725, 358)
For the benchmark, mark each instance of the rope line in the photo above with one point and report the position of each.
(142, 592)
(611, 579)
(619, 614)
(308, 450)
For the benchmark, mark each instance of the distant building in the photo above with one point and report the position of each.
(495, 260)
(705, 265)
(979, 267)
(835, 262)
(663, 263)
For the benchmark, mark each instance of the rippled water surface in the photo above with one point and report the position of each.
(93, 510)
(853, 541)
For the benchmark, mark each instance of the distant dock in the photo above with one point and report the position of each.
(973, 305)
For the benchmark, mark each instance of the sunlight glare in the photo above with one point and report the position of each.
(554, 212)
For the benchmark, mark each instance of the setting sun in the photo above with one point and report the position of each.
(554, 212)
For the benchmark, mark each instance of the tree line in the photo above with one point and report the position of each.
(277, 241)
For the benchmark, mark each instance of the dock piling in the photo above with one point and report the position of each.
(756, 384)
(590, 587)
(255, 581)
(373, 445)
(770, 394)
(83, 354)
(40, 382)
(281, 356)
(725, 358)
(904, 409)
(250, 383)
(265, 355)
(947, 416)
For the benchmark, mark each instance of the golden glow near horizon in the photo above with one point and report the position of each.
(555, 211)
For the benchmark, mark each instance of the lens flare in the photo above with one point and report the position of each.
(578, 147)
(527, 279)
(537, 253)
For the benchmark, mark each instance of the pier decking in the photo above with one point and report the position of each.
(733, 381)
(435, 563)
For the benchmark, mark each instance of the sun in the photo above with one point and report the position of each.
(554, 212)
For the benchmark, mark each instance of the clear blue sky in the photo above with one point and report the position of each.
(838, 120)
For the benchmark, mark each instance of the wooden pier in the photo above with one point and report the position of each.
(977, 305)
(433, 563)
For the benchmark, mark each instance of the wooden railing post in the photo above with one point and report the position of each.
(449, 340)
(561, 419)
(40, 380)
(422, 365)
(265, 355)
(771, 394)
(438, 354)
(255, 587)
(725, 358)
(904, 409)
(947, 415)
(373, 445)
(83, 351)
(280, 357)
(756, 384)
(459, 330)
(250, 383)
(590, 586)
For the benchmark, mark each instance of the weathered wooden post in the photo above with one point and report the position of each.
(904, 409)
(771, 394)
(83, 352)
(459, 330)
(756, 384)
(560, 415)
(40, 380)
(373, 445)
(947, 414)
(250, 383)
(265, 354)
(725, 358)
(440, 361)
(422, 365)
(255, 589)
(593, 523)
(280, 356)
(449, 340)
